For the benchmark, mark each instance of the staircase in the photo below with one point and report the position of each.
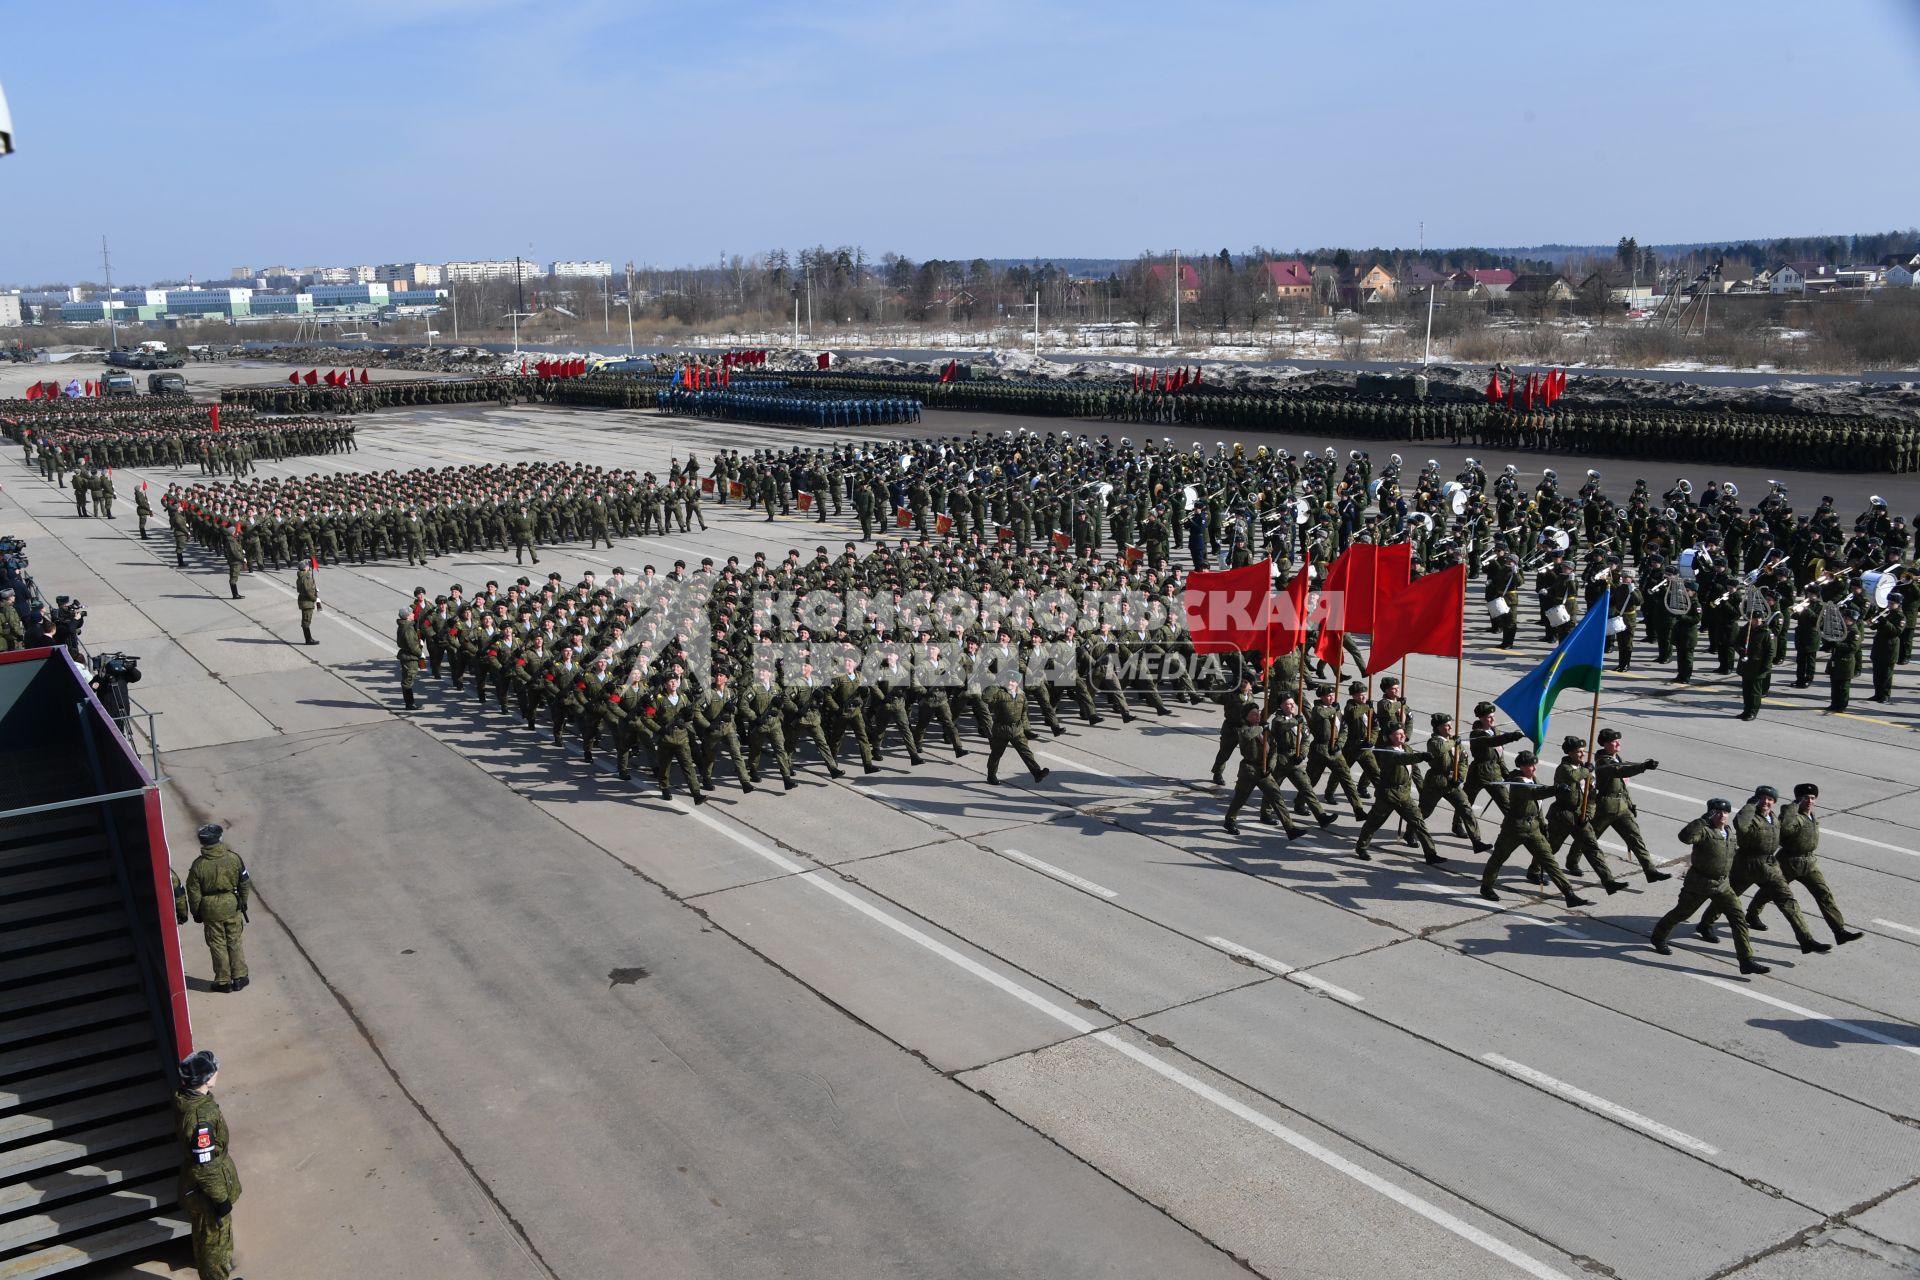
(88, 1160)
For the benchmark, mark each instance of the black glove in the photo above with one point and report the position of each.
(1564, 791)
(1653, 764)
(221, 1208)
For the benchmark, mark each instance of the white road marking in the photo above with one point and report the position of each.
(1057, 873)
(1593, 1102)
(377, 578)
(1075, 765)
(1824, 829)
(1321, 984)
(1903, 928)
(354, 627)
(1199, 1088)
(1866, 1033)
(1248, 953)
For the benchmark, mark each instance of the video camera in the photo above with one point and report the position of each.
(112, 673)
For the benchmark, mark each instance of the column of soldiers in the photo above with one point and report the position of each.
(364, 398)
(787, 408)
(681, 666)
(58, 441)
(1594, 425)
(359, 517)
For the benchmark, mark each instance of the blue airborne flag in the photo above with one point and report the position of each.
(1575, 664)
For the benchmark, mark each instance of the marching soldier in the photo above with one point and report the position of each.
(142, 510)
(1254, 745)
(1521, 828)
(1569, 815)
(1613, 807)
(1488, 771)
(1008, 707)
(1800, 864)
(1756, 832)
(673, 721)
(764, 707)
(1442, 781)
(1711, 838)
(406, 640)
(1395, 796)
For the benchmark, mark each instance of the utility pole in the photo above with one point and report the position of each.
(519, 302)
(796, 320)
(629, 306)
(1431, 290)
(453, 305)
(106, 264)
(1036, 322)
(809, 306)
(1176, 297)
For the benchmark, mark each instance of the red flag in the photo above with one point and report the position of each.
(523, 366)
(1287, 629)
(294, 378)
(1493, 388)
(1226, 609)
(1196, 375)
(312, 378)
(213, 417)
(365, 378)
(1363, 574)
(726, 376)
(1423, 617)
(825, 361)
(33, 392)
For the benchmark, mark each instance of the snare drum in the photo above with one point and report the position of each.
(1498, 608)
(1615, 625)
(1558, 616)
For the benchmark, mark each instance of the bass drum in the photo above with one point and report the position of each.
(1558, 616)
(1879, 585)
(1498, 608)
(1687, 564)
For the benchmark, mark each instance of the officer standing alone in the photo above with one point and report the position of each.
(209, 1183)
(217, 890)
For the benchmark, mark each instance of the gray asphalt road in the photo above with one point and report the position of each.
(908, 1024)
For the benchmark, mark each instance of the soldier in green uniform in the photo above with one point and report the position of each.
(1613, 807)
(236, 560)
(1485, 743)
(1254, 746)
(1570, 815)
(1395, 795)
(1007, 706)
(1756, 832)
(308, 594)
(1889, 635)
(1799, 863)
(142, 509)
(763, 707)
(13, 632)
(673, 723)
(1234, 704)
(217, 889)
(1326, 755)
(209, 1183)
(1442, 781)
(718, 718)
(1755, 665)
(406, 641)
(1521, 828)
(1843, 662)
(1712, 840)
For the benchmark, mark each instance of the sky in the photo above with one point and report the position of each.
(210, 135)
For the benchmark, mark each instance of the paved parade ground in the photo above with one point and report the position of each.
(513, 1017)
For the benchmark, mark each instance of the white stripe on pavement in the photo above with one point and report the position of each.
(1594, 1102)
(1321, 984)
(1075, 765)
(1903, 928)
(1841, 1024)
(1249, 954)
(1199, 1088)
(1057, 873)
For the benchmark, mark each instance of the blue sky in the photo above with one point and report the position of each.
(203, 136)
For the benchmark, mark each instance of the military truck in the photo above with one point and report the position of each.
(166, 384)
(116, 383)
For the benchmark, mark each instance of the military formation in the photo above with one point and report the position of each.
(60, 436)
(762, 658)
(1830, 442)
(788, 408)
(286, 398)
(359, 517)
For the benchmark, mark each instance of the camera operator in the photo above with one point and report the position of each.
(68, 617)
